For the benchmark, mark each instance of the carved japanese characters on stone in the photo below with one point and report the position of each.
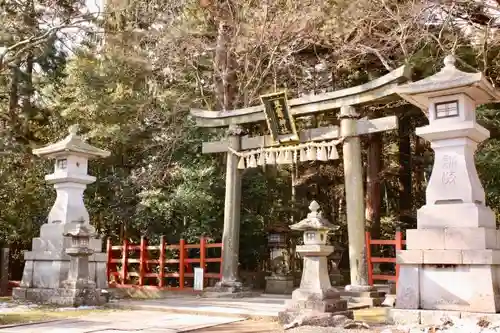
(449, 170)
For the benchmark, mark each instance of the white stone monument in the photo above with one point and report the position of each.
(47, 265)
(315, 301)
(452, 261)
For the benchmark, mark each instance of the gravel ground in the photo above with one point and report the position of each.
(373, 329)
(258, 326)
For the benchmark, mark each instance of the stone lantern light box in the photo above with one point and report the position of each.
(80, 238)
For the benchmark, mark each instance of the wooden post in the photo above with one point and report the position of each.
(4, 276)
(124, 274)
(202, 254)
(142, 260)
(161, 275)
(369, 257)
(399, 247)
(182, 251)
(221, 264)
(109, 253)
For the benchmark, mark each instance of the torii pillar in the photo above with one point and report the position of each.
(230, 281)
(358, 288)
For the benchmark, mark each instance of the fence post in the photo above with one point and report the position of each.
(202, 252)
(4, 276)
(181, 263)
(109, 254)
(124, 274)
(162, 262)
(202, 255)
(220, 266)
(369, 257)
(142, 260)
(399, 247)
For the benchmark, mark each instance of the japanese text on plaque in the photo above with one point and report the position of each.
(278, 117)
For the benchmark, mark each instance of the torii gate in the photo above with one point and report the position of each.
(378, 91)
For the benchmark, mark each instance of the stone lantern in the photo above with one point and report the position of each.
(281, 280)
(78, 289)
(315, 298)
(47, 265)
(453, 257)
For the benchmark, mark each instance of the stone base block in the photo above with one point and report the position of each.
(232, 289)
(60, 296)
(359, 288)
(311, 318)
(305, 294)
(368, 298)
(441, 287)
(435, 317)
(389, 301)
(47, 270)
(467, 215)
(403, 317)
(327, 305)
(279, 285)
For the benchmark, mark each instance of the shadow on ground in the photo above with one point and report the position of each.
(247, 326)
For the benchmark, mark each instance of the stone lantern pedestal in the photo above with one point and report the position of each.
(315, 300)
(452, 262)
(47, 265)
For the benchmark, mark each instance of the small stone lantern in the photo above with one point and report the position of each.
(281, 280)
(79, 253)
(78, 288)
(315, 296)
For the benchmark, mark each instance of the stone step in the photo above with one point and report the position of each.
(364, 301)
(376, 294)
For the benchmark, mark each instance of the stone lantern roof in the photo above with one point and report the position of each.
(314, 221)
(73, 143)
(81, 230)
(449, 80)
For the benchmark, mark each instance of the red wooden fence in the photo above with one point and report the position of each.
(140, 267)
(398, 242)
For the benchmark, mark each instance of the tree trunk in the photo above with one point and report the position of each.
(373, 193)
(27, 93)
(405, 181)
(419, 171)
(224, 73)
(14, 94)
